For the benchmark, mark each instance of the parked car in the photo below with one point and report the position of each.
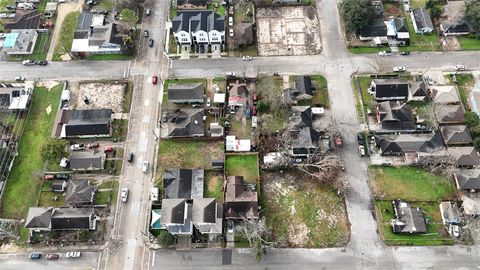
(145, 167)
(77, 147)
(216, 88)
(93, 145)
(130, 157)
(254, 99)
(49, 177)
(247, 58)
(230, 73)
(342, 166)
(399, 69)
(461, 67)
(230, 226)
(62, 176)
(209, 103)
(124, 194)
(230, 32)
(405, 53)
(230, 21)
(73, 254)
(254, 110)
(145, 33)
(361, 150)
(385, 53)
(20, 79)
(42, 63)
(63, 162)
(108, 149)
(52, 256)
(338, 141)
(429, 80)
(148, 12)
(154, 79)
(230, 10)
(35, 256)
(360, 138)
(28, 63)
(150, 43)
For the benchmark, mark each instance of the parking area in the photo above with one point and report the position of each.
(288, 31)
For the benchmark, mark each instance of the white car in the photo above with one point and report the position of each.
(399, 69)
(384, 53)
(77, 147)
(209, 103)
(124, 194)
(461, 67)
(73, 254)
(230, 32)
(230, 21)
(63, 162)
(247, 58)
(231, 74)
(361, 150)
(216, 88)
(145, 167)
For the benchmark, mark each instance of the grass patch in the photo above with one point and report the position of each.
(106, 197)
(46, 199)
(321, 90)
(4, 3)
(214, 185)
(465, 81)
(112, 56)
(359, 50)
(239, 13)
(469, 43)
(250, 50)
(39, 52)
(172, 44)
(25, 180)
(368, 100)
(240, 241)
(220, 10)
(120, 129)
(409, 183)
(417, 4)
(435, 234)
(108, 5)
(243, 165)
(419, 42)
(127, 97)
(271, 120)
(66, 35)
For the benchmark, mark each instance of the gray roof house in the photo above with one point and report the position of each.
(305, 142)
(177, 216)
(418, 89)
(83, 124)
(395, 116)
(245, 33)
(79, 192)
(460, 28)
(376, 31)
(390, 89)
(467, 179)
(444, 94)
(464, 156)
(456, 135)
(48, 218)
(87, 160)
(207, 216)
(184, 123)
(400, 144)
(24, 41)
(301, 116)
(183, 183)
(38, 218)
(186, 93)
(408, 220)
(199, 27)
(450, 114)
(422, 23)
(59, 185)
(303, 88)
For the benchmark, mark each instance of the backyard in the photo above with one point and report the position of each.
(213, 185)
(243, 165)
(409, 183)
(50, 198)
(107, 193)
(25, 181)
(435, 235)
(270, 89)
(66, 35)
(303, 214)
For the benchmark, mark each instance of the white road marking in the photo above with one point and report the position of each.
(153, 259)
(146, 102)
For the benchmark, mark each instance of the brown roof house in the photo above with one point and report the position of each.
(239, 202)
(244, 34)
(450, 114)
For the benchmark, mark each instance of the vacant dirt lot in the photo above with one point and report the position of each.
(288, 31)
(100, 95)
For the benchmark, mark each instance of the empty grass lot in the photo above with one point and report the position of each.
(409, 183)
(65, 40)
(469, 43)
(435, 229)
(25, 180)
(47, 195)
(242, 165)
(321, 90)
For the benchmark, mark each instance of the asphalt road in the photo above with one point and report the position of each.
(88, 260)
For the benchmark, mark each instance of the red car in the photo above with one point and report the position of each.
(49, 177)
(254, 98)
(154, 79)
(93, 145)
(254, 110)
(108, 149)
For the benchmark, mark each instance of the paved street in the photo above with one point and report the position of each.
(87, 261)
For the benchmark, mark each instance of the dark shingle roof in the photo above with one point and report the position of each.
(461, 27)
(375, 29)
(183, 183)
(86, 160)
(79, 192)
(464, 156)
(408, 219)
(390, 89)
(239, 202)
(38, 217)
(468, 179)
(188, 123)
(395, 116)
(304, 86)
(456, 134)
(24, 19)
(450, 113)
(193, 21)
(401, 24)
(403, 143)
(418, 88)
(192, 92)
(88, 123)
(422, 18)
(72, 218)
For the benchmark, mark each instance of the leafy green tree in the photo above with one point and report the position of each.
(473, 13)
(357, 14)
(476, 142)
(475, 131)
(472, 119)
(435, 12)
(165, 238)
(53, 149)
(128, 17)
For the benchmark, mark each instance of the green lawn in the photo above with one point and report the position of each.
(359, 50)
(417, 4)
(115, 56)
(46, 199)
(469, 43)
(213, 185)
(220, 10)
(40, 50)
(108, 5)
(321, 90)
(127, 97)
(106, 197)
(368, 100)
(4, 3)
(419, 42)
(120, 129)
(409, 183)
(65, 40)
(25, 180)
(435, 228)
(243, 165)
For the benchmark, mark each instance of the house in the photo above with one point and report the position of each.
(468, 180)
(422, 23)
(232, 144)
(20, 42)
(400, 144)
(24, 19)
(301, 116)
(474, 101)
(417, 90)
(59, 185)
(444, 94)
(238, 94)
(450, 213)
(456, 135)
(408, 220)
(200, 29)
(470, 204)
(94, 35)
(464, 156)
(52, 219)
(191, 4)
(207, 217)
(176, 216)
(184, 123)
(393, 115)
(216, 130)
(16, 96)
(239, 201)
(390, 89)
(183, 183)
(305, 143)
(186, 93)
(244, 34)
(397, 29)
(450, 114)
(72, 124)
(79, 193)
(461, 28)
(303, 88)
(376, 32)
(87, 160)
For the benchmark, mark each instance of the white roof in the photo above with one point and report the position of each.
(20, 102)
(232, 144)
(155, 217)
(98, 20)
(318, 110)
(154, 196)
(219, 98)
(390, 28)
(403, 35)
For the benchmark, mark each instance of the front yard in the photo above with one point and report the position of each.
(409, 183)
(65, 40)
(245, 165)
(40, 50)
(469, 43)
(25, 181)
(436, 234)
(419, 42)
(303, 214)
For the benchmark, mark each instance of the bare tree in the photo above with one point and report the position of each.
(437, 161)
(256, 232)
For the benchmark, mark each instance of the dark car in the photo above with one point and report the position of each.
(35, 256)
(145, 33)
(404, 53)
(130, 157)
(150, 43)
(154, 79)
(254, 110)
(254, 98)
(52, 256)
(360, 138)
(42, 63)
(62, 176)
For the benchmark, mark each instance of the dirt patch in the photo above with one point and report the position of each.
(100, 95)
(451, 44)
(10, 248)
(48, 84)
(288, 31)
